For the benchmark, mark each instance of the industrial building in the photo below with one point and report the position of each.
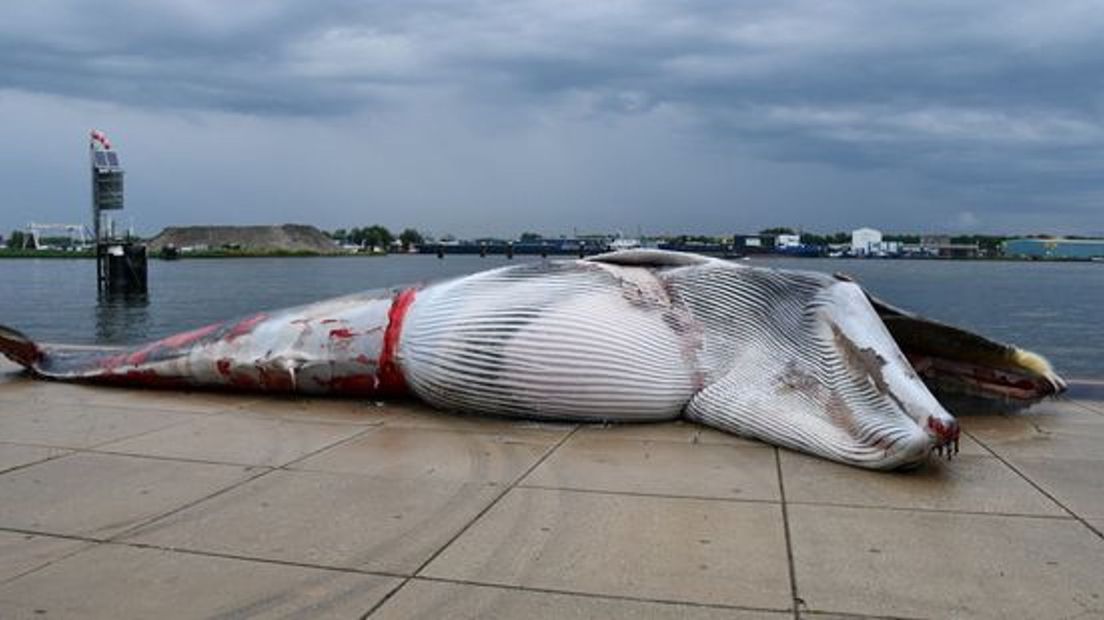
(1069, 249)
(744, 245)
(865, 241)
(787, 241)
(942, 247)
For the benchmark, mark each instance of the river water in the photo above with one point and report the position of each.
(1056, 309)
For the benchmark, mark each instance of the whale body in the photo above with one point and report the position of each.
(799, 359)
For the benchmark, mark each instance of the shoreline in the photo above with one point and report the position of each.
(61, 255)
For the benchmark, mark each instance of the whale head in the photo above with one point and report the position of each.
(881, 402)
(804, 361)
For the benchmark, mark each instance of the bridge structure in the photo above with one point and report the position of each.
(36, 232)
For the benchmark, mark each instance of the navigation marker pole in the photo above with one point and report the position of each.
(120, 261)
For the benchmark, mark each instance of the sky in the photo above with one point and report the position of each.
(493, 118)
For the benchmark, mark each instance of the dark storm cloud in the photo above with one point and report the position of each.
(989, 109)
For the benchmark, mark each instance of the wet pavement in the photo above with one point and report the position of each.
(137, 504)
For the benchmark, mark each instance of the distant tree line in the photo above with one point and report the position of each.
(16, 239)
(377, 236)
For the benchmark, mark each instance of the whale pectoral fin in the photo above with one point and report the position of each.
(19, 348)
(645, 257)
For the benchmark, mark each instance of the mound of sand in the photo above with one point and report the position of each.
(285, 238)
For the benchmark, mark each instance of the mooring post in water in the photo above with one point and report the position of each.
(509, 249)
(120, 261)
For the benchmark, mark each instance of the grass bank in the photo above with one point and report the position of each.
(9, 253)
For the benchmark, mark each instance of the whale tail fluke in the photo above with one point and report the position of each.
(343, 346)
(19, 348)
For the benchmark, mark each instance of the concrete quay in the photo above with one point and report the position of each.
(140, 504)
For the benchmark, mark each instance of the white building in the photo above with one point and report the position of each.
(787, 241)
(621, 243)
(865, 241)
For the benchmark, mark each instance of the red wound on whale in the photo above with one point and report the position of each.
(223, 366)
(342, 333)
(363, 384)
(391, 380)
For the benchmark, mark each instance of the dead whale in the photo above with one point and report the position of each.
(798, 359)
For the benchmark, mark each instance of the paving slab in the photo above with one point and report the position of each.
(1098, 525)
(669, 549)
(622, 544)
(99, 495)
(325, 519)
(1088, 393)
(681, 431)
(24, 390)
(430, 600)
(1077, 435)
(15, 455)
(240, 439)
(599, 463)
(80, 426)
(429, 454)
(1051, 414)
(1095, 406)
(318, 409)
(113, 581)
(23, 553)
(416, 415)
(1076, 483)
(941, 565)
(968, 483)
(827, 616)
